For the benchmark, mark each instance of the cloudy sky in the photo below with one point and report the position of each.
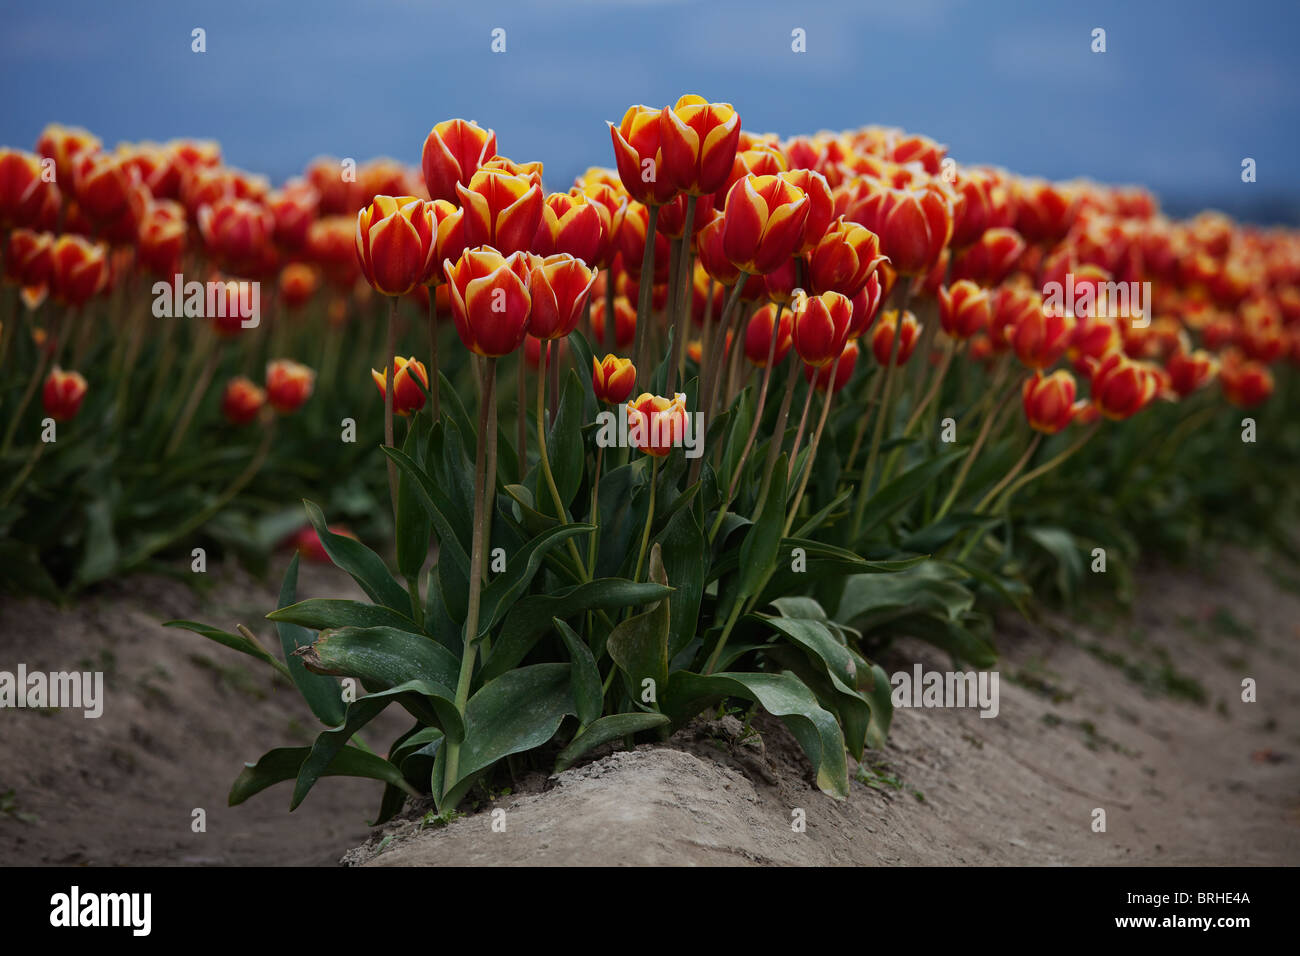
(1183, 92)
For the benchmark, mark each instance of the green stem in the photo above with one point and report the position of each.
(969, 460)
(685, 281)
(388, 402)
(812, 452)
(1010, 476)
(902, 293)
(544, 458)
(645, 289)
(434, 387)
(482, 499)
(649, 520)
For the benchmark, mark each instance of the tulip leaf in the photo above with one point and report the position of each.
(588, 695)
(321, 613)
(381, 656)
(235, 642)
(281, 764)
(890, 500)
(530, 617)
(502, 592)
(603, 731)
(413, 516)
(639, 645)
(564, 444)
(758, 551)
(321, 692)
(365, 567)
(517, 711)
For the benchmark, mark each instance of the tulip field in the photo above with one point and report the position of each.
(708, 430)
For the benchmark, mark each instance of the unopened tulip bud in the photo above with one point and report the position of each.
(288, 385)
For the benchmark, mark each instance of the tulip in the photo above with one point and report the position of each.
(408, 396)
(712, 255)
(656, 424)
(23, 192)
(865, 306)
(631, 226)
(882, 337)
(842, 369)
(1040, 338)
(29, 258)
(62, 394)
(758, 335)
(763, 223)
(612, 379)
(1092, 340)
(294, 209)
(331, 244)
(986, 204)
(308, 544)
(1245, 382)
(163, 233)
(501, 210)
(490, 301)
(639, 156)
(64, 144)
(576, 224)
(1049, 401)
(288, 385)
(821, 326)
(1044, 212)
(236, 231)
(395, 243)
(991, 258)
(845, 257)
(699, 141)
(108, 188)
(453, 152)
(79, 271)
(1121, 387)
(821, 211)
(964, 309)
(559, 287)
(760, 159)
(672, 217)
(1190, 370)
(241, 400)
(624, 321)
(298, 283)
(914, 225)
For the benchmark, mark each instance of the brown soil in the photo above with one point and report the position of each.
(1140, 715)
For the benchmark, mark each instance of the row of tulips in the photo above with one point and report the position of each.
(775, 403)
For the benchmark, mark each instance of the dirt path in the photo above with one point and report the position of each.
(1140, 716)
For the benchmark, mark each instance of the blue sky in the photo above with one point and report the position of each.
(1183, 93)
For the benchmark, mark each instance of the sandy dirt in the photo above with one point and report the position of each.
(1139, 715)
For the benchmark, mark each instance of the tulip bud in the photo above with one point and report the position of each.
(821, 214)
(453, 152)
(1122, 387)
(842, 369)
(882, 337)
(821, 326)
(712, 255)
(991, 258)
(1040, 338)
(914, 225)
(408, 396)
(1049, 401)
(699, 141)
(501, 210)
(241, 400)
(612, 379)
(865, 306)
(64, 144)
(79, 271)
(986, 204)
(1245, 382)
(559, 286)
(656, 424)
(395, 243)
(490, 301)
(288, 385)
(23, 192)
(1044, 212)
(630, 228)
(763, 223)
(639, 156)
(624, 321)
(163, 233)
(294, 209)
(62, 394)
(29, 257)
(844, 258)
(1190, 370)
(298, 283)
(964, 309)
(758, 336)
(236, 231)
(573, 223)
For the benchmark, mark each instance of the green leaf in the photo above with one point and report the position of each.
(436, 505)
(588, 694)
(1064, 549)
(951, 636)
(685, 557)
(564, 442)
(890, 501)
(639, 645)
(603, 731)
(413, 519)
(321, 613)
(359, 713)
(763, 539)
(235, 642)
(781, 695)
(382, 656)
(321, 692)
(281, 764)
(514, 580)
(530, 617)
(520, 710)
(366, 567)
(932, 587)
